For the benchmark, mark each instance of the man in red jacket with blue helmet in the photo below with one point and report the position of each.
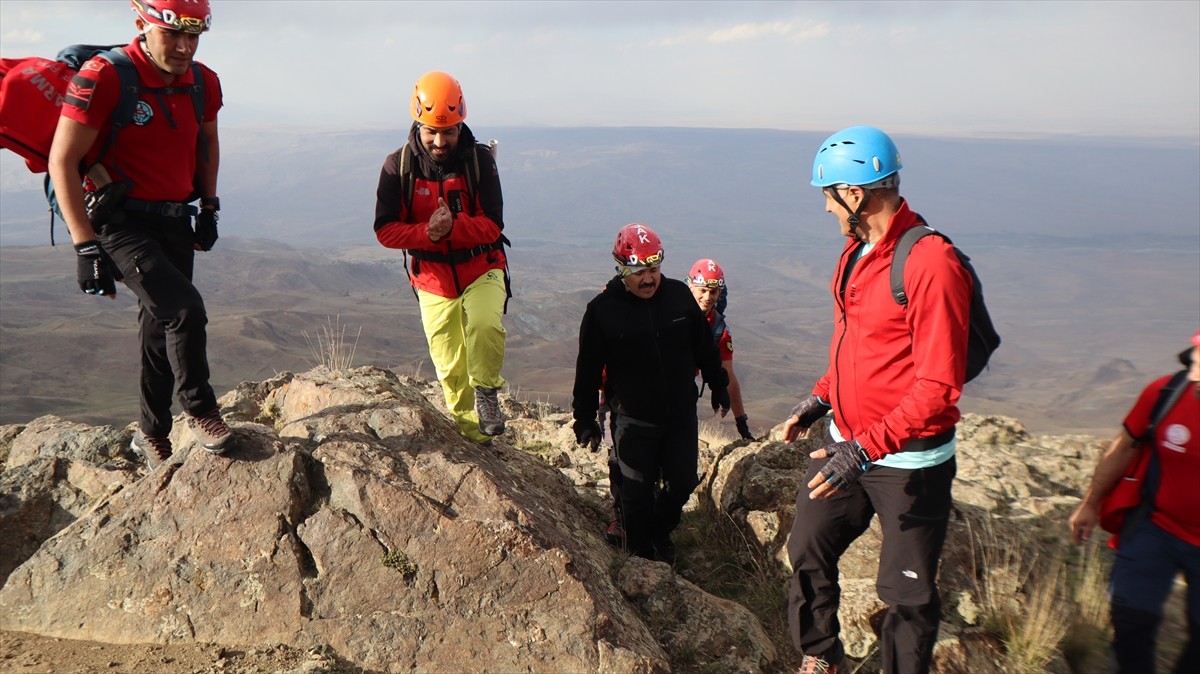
(163, 159)
(452, 230)
(893, 383)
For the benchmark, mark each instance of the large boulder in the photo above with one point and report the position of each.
(352, 516)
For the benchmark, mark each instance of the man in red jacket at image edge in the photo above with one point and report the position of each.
(1163, 544)
(165, 157)
(452, 231)
(894, 379)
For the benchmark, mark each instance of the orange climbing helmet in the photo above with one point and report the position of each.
(438, 100)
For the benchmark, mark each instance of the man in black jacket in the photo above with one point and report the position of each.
(645, 337)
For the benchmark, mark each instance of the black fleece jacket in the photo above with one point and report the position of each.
(651, 349)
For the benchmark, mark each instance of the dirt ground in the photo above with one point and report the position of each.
(33, 654)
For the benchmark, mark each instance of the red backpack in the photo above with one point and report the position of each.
(1132, 499)
(32, 91)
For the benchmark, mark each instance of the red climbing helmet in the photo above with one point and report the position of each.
(189, 16)
(706, 272)
(637, 246)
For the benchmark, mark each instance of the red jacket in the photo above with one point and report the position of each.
(472, 248)
(156, 153)
(896, 373)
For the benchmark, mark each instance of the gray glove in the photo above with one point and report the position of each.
(810, 410)
(847, 462)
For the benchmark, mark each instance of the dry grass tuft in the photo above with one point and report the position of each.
(329, 348)
(1028, 610)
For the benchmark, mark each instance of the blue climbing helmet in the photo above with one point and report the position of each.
(859, 155)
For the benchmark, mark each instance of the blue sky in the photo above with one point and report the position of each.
(977, 69)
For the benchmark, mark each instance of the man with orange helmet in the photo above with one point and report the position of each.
(644, 337)
(707, 283)
(439, 200)
(165, 158)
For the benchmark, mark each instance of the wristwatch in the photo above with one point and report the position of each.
(210, 203)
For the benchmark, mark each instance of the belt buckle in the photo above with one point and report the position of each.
(172, 209)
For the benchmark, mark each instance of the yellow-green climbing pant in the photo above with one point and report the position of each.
(466, 344)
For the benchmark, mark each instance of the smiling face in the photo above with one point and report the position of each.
(644, 283)
(440, 141)
(706, 297)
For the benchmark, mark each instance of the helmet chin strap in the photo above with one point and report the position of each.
(855, 217)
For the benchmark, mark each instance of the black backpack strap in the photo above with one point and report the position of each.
(1168, 395)
(907, 240)
(126, 102)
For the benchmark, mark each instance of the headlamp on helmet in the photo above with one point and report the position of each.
(637, 247)
(706, 273)
(188, 16)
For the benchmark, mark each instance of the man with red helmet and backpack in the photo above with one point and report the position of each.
(1162, 539)
(166, 157)
(439, 200)
(645, 337)
(707, 283)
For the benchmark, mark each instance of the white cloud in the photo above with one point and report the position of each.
(25, 36)
(750, 31)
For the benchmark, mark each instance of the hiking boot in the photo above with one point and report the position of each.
(615, 533)
(487, 406)
(155, 451)
(811, 664)
(211, 432)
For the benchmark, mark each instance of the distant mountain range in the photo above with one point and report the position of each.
(1089, 251)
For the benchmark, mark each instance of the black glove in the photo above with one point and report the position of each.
(810, 410)
(588, 434)
(206, 228)
(743, 426)
(847, 462)
(94, 270)
(103, 202)
(720, 399)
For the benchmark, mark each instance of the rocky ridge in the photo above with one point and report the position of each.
(353, 522)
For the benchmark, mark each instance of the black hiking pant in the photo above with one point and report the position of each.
(646, 453)
(155, 255)
(914, 511)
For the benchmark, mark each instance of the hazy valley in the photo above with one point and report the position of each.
(1091, 276)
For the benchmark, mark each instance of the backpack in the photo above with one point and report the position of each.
(32, 92)
(1132, 499)
(982, 339)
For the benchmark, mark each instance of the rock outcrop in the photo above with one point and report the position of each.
(352, 515)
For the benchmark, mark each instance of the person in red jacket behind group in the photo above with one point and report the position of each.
(707, 282)
(452, 230)
(894, 379)
(1154, 550)
(165, 158)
